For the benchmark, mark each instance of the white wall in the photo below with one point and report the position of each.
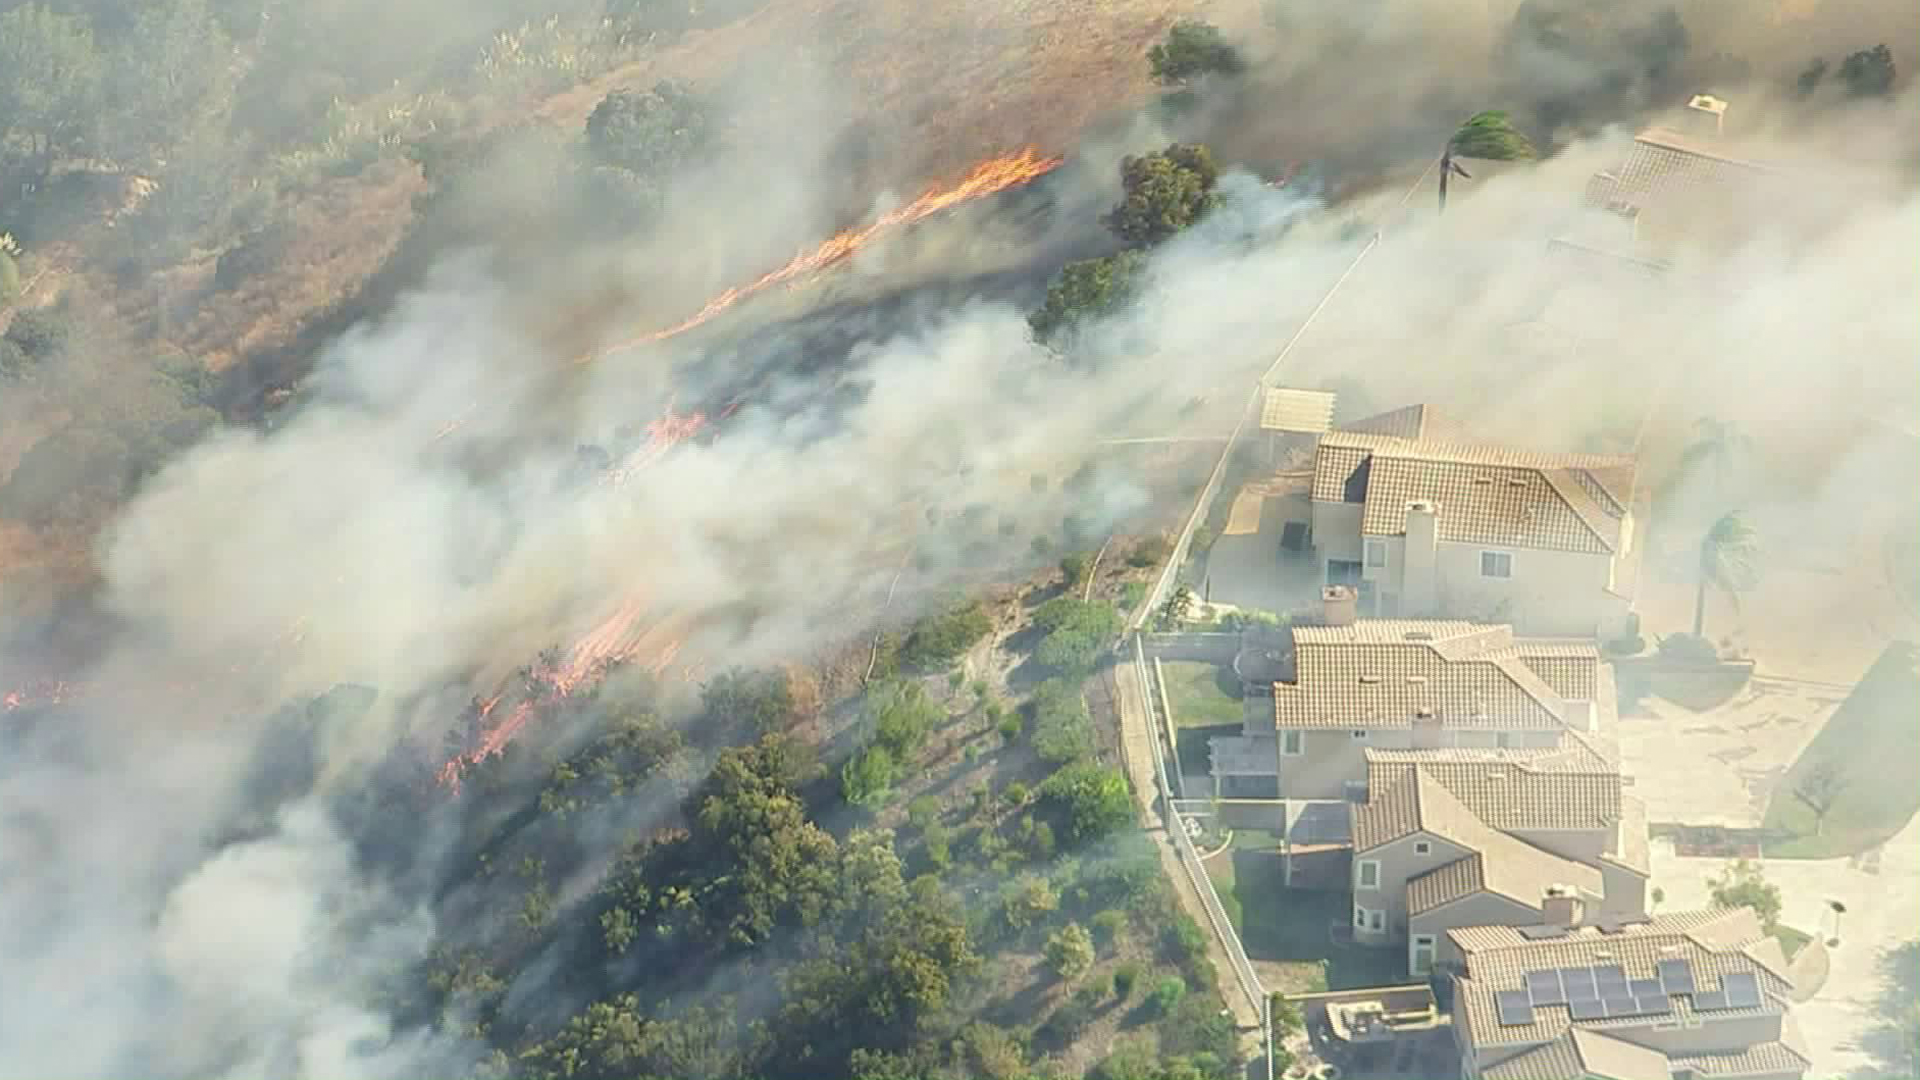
(1336, 531)
(1551, 593)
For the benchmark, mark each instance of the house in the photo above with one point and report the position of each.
(1425, 522)
(1423, 684)
(1683, 178)
(1685, 996)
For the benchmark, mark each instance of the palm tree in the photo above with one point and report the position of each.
(1728, 553)
(1487, 135)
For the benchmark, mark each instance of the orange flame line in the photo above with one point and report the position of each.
(986, 178)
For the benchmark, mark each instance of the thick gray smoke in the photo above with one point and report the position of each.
(421, 524)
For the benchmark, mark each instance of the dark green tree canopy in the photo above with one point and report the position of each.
(1492, 136)
(1164, 192)
(648, 132)
(1086, 290)
(1869, 72)
(1193, 49)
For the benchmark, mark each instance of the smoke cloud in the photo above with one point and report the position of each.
(421, 524)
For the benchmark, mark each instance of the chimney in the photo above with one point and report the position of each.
(1418, 585)
(1706, 115)
(1342, 605)
(1561, 907)
(1426, 728)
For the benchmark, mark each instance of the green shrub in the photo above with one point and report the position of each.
(1168, 995)
(1108, 926)
(1016, 794)
(1070, 951)
(923, 811)
(938, 640)
(1075, 567)
(39, 332)
(1009, 727)
(1131, 594)
(1093, 799)
(902, 716)
(939, 841)
(1062, 726)
(1149, 552)
(9, 278)
(867, 779)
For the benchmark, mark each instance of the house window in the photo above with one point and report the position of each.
(1292, 743)
(1376, 920)
(1421, 847)
(1343, 572)
(1421, 953)
(1359, 733)
(1369, 873)
(1496, 564)
(1359, 916)
(1376, 553)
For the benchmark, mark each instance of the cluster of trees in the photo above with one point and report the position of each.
(1868, 73)
(899, 715)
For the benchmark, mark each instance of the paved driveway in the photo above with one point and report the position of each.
(1883, 911)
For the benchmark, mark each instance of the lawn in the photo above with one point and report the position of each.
(1205, 699)
(1866, 749)
(1290, 929)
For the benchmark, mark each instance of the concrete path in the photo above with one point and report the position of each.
(1883, 911)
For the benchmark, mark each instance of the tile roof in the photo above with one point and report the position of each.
(1761, 1059)
(1581, 1053)
(1498, 958)
(1380, 672)
(1665, 165)
(1304, 411)
(1562, 788)
(1484, 494)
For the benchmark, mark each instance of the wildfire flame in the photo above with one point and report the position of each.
(987, 178)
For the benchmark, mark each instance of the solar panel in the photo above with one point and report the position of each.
(1515, 1008)
(1622, 1005)
(1710, 1001)
(1742, 990)
(1588, 1009)
(1646, 988)
(1542, 933)
(1579, 983)
(1676, 976)
(1658, 1005)
(1606, 975)
(1545, 989)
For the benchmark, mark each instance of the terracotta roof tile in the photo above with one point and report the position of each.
(1484, 494)
(1551, 789)
(1665, 165)
(1580, 1053)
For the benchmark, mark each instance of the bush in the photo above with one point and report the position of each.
(39, 332)
(867, 779)
(1093, 799)
(902, 716)
(1075, 567)
(1016, 794)
(939, 841)
(1196, 1027)
(1185, 942)
(1149, 552)
(1009, 726)
(1125, 978)
(9, 278)
(1192, 48)
(1688, 649)
(1062, 726)
(939, 640)
(1107, 927)
(1167, 996)
(1070, 951)
(1028, 900)
(1131, 594)
(923, 811)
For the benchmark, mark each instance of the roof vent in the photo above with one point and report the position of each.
(1483, 479)
(1515, 481)
(1418, 635)
(1369, 679)
(1603, 954)
(1416, 679)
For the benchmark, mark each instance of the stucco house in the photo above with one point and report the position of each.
(1424, 522)
(1685, 996)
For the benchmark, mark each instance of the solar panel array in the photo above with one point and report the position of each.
(1603, 992)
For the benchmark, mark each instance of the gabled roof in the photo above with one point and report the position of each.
(1380, 672)
(1565, 787)
(1580, 1054)
(1665, 164)
(1787, 1054)
(1713, 941)
(1483, 494)
(1413, 422)
(1308, 412)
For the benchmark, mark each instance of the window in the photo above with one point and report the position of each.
(1421, 953)
(1292, 743)
(1376, 553)
(1496, 564)
(1421, 847)
(1376, 920)
(1359, 733)
(1369, 873)
(1359, 916)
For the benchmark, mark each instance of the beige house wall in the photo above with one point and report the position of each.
(1400, 860)
(1479, 909)
(1626, 892)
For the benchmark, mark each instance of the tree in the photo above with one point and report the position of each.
(1742, 884)
(942, 638)
(1192, 49)
(1491, 136)
(1094, 799)
(1727, 562)
(759, 699)
(50, 74)
(867, 779)
(901, 715)
(1062, 726)
(1163, 193)
(1070, 951)
(1178, 608)
(1819, 788)
(1869, 72)
(1811, 76)
(174, 75)
(1084, 291)
(650, 133)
